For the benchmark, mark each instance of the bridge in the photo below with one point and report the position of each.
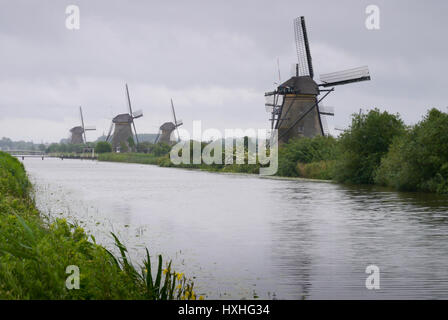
(26, 153)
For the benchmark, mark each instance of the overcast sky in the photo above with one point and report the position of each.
(214, 58)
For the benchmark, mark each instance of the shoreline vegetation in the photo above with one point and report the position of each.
(377, 149)
(35, 254)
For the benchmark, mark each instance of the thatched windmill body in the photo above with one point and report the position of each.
(121, 127)
(168, 128)
(295, 105)
(78, 133)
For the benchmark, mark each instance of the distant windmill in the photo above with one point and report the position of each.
(168, 128)
(122, 127)
(294, 105)
(78, 133)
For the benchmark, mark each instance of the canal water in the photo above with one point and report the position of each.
(241, 236)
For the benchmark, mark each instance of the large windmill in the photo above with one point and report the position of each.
(295, 105)
(168, 128)
(122, 126)
(78, 133)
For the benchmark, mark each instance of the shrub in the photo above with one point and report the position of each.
(316, 170)
(103, 147)
(305, 150)
(418, 160)
(364, 144)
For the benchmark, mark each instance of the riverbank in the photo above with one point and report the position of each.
(43, 259)
(377, 149)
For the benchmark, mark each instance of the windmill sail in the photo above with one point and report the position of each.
(345, 76)
(130, 112)
(305, 67)
(110, 131)
(177, 124)
(82, 124)
(137, 114)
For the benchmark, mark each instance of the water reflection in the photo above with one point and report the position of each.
(243, 236)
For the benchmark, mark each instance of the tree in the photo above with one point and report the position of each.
(103, 147)
(418, 160)
(305, 150)
(364, 144)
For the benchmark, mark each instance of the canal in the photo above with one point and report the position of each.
(242, 236)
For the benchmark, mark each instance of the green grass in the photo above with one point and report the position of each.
(129, 157)
(34, 254)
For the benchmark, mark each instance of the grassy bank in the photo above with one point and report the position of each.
(35, 254)
(130, 157)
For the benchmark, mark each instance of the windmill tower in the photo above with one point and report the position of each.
(168, 128)
(78, 133)
(295, 105)
(122, 128)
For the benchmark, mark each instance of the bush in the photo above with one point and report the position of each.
(418, 160)
(305, 150)
(316, 170)
(364, 144)
(103, 147)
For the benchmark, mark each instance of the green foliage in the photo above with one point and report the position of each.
(305, 150)
(322, 170)
(103, 147)
(67, 148)
(418, 160)
(157, 149)
(364, 144)
(8, 144)
(124, 147)
(34, 254)
(129, 157)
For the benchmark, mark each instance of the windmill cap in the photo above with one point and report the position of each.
(167, 126)
(303, 85)
(77, 129)
(122, 118)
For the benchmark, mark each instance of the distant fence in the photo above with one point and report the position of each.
(25, 153)
(41, 154)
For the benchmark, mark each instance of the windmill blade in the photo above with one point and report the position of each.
(157, 138)
(135, 131)
(303, 48)
(323, 121)
(345, 76)
(82, 124)
(326, 110)
(130, 112)
(175, 120)
(128, 99)
(137, 114)
(278, 68)
(89, 128)
(110, 131)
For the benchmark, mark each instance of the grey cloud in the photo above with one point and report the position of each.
(188, 49)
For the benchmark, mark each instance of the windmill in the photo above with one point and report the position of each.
(78, 133)
(168, 128)
(294, 104)
(122, 126)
